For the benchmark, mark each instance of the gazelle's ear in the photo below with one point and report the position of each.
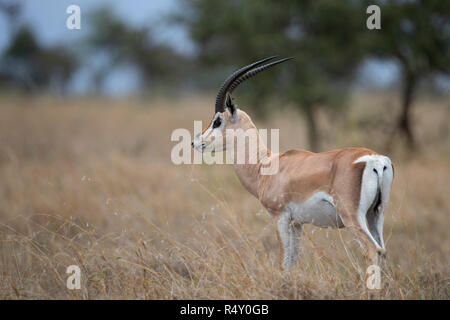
(231, 106)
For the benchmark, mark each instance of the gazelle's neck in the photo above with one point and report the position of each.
(249, 173)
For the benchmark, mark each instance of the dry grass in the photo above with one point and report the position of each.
(90, 182)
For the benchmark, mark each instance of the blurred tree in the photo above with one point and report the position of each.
(124, 44)
(12, 10)
(25, 64)
(417, 34)
(322, 35)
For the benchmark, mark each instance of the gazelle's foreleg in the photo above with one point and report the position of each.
(289, 235)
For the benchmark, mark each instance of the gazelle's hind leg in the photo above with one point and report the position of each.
(365, 217)
(368, 219)
(375, 214)
(363, 236)
(289, 235)
(375, 218)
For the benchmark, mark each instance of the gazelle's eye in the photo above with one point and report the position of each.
(217, 123)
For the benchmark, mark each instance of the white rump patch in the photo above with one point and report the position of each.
(377, 178)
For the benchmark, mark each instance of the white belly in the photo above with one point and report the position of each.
(318, 210)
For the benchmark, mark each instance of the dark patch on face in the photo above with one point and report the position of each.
(217, 122)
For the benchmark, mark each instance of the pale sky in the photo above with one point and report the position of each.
(48, 20)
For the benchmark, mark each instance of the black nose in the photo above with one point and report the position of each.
(192, 144)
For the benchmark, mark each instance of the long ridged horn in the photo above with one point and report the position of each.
(221, 95)
(251, 73)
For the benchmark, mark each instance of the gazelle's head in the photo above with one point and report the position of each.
(227, 115)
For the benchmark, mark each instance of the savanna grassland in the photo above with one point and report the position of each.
(90, 182)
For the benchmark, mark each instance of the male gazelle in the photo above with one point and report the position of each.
(340, 188)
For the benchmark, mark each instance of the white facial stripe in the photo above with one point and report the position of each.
(207, 132)
(211, 139)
